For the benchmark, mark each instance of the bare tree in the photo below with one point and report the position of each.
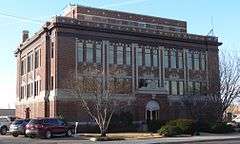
(217, 101)
(98, 100)
(229, 81)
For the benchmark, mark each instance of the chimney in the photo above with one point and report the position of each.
(25, 35)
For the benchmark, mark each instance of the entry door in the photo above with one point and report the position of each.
(27, 113)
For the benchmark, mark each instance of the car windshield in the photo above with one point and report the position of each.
(17, 122)
(35, 121)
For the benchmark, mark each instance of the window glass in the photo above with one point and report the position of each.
(37, 55)
(196, 61)
(139, 56)
(22, 67)
(60, 122)
(128, 55)
(181, 88)
(203, 88)
(29, 63)
(180, 59)
(80, 52)
(190, 87)
(167, 85)
(120, 55)
(174, 88)
(155, 57)
(89, 52)
(98, 53)
(197, 87)
(166, 58)
(203, 61)
(147, 57)
(173, 58)
(148, 83)
(190, 60)
(111, 54)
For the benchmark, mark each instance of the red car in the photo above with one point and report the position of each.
(48, 127)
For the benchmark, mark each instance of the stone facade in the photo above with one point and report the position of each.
(155, 57)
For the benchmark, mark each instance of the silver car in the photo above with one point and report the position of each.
(5, 122)
(18, 127)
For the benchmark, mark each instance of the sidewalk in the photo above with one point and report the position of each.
(202, 138)
(184, 139)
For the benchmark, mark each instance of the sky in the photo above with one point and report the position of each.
(201, 16)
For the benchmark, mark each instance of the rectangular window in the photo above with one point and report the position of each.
(174, 87)
(31, 89)
(155, 57)
(190, 87)
(40, 85)
(80, 52)
(147, 57)
(22, 92)
(166, 58)
(180, 60)
(111, 54)
(98, 53)
(52, 83)
(28, 90)
(203, 88)
(128, 55)
(196, 61)
(36, 88)
(119, 55)
(173, 58)
(89, 47)
(139, 56)
(37, 59)
(181, 87)
(203, 61)
(29, 63)
(22, 67)
(190, 60)
(52, 50)
(167, 85)
(197, 87)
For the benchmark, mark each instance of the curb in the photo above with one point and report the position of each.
(205, 140)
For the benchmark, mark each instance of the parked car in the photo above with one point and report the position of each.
(18, 127)
(5, 122)
(48, 127)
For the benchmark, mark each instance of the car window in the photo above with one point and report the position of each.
(3, 120)
(27, 120)
(35, 121)
(46, 121)
(60, 122)
(51, 121)
(17, 122)
(12, 118)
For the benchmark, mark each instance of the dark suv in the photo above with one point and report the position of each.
(48, 127)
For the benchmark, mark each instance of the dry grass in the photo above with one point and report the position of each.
(126, 135)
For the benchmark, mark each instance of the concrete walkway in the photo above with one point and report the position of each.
(184, 139)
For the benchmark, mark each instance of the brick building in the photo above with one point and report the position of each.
(155, 57)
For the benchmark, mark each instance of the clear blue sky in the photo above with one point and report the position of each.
(226, 20)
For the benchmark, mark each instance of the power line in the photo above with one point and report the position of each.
(21, 18)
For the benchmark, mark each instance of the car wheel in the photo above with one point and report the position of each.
(69, 133)
(15, 134)
(32, 136)
(48, 134)
(3, 130)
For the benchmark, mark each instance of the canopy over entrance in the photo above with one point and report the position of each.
(152, 105)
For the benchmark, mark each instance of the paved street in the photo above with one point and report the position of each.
(220, 139)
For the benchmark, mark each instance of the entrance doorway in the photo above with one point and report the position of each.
(152, 110)
(27, 112)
